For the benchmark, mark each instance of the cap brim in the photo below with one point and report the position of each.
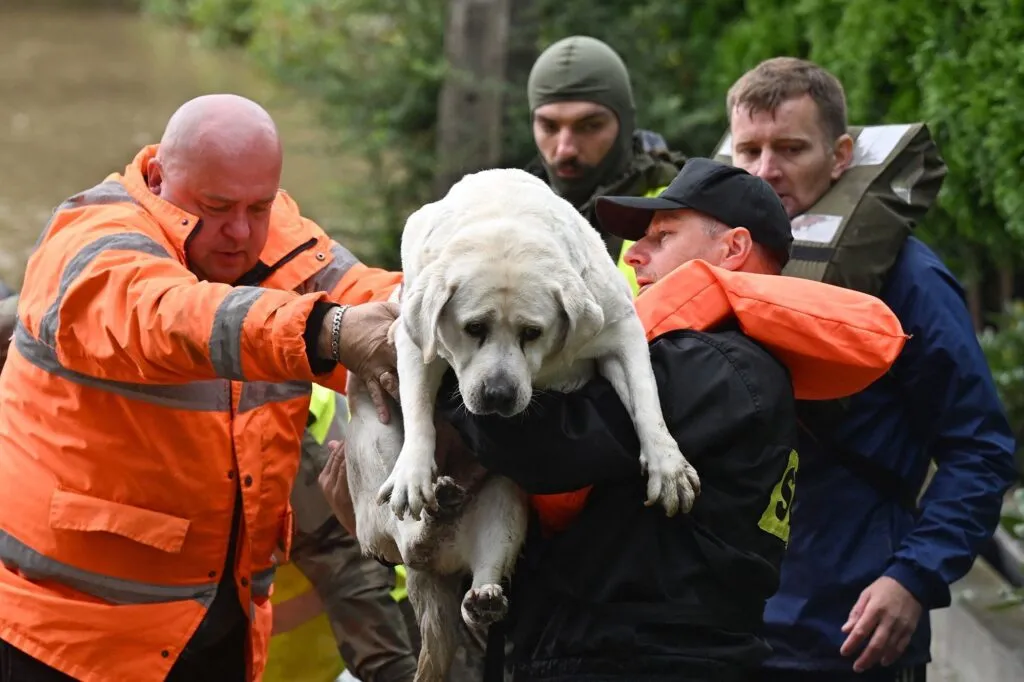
(628, 217)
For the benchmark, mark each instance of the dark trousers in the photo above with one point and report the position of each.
(221, 662)
(876, 674)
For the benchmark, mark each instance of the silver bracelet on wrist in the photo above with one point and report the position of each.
(339, 313)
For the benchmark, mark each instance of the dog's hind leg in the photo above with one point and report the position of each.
(370, 453)
(435, 599)
(671, 480)
(426, 543)
(492, 530)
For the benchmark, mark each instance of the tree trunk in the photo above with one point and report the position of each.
(523, 51)
(972, 291)
(1006, 284)
(469, 121)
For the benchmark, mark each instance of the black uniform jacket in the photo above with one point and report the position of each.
(625, 593)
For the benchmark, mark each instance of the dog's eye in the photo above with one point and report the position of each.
(476, 329)
(531, 333)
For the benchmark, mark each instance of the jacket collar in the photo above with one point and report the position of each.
(176, 223)
(689, 297)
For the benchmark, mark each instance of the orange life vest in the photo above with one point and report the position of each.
(135, 402)
(834, 341)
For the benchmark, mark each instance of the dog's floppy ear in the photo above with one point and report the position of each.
(422, 305)
(585, 318)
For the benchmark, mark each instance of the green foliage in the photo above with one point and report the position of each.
(377, 66)
(227, 22)
(1012, 522)
(958, 66)
(1004, 350)
(221, 21)
(168, 10)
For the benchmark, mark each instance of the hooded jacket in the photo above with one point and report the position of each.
(581, 68)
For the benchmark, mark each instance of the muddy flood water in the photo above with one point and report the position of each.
(82, 89)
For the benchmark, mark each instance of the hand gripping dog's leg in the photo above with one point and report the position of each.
(410, 487)
(671, 481)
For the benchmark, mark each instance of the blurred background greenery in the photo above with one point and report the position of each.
(377, 68)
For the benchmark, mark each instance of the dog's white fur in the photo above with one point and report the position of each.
(509, 285)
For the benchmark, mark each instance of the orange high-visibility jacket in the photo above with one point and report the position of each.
(835, 342)
(135, 402)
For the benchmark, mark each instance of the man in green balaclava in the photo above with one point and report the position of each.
(584, 125)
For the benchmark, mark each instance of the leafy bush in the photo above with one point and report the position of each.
(1004, 349)
(377, 67)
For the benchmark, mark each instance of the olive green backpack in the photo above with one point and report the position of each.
(852, 236)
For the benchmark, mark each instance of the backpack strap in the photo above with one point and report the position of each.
(853, 234)
(826, 415)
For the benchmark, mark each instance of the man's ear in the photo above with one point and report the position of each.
(739, 245)
(843, 152)
(422, 306)
(584, 317)
(154, 175)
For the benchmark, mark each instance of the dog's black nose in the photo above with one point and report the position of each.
(499, 395)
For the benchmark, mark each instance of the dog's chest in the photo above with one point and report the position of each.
(566, 378)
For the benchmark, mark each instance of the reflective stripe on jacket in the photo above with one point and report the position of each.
(135, 404)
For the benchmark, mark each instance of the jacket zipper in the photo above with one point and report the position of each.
(287, 258)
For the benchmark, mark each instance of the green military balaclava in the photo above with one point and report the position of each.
(580, 68)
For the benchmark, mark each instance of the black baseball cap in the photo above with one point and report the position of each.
(726, 193)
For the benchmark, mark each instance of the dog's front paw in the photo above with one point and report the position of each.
(410, 488)
(484, 605)
(671, 480)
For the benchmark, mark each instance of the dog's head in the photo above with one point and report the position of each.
(498, 313)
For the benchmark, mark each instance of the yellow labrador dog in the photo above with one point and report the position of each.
(506, 283)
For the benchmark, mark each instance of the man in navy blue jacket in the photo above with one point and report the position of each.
(863, 569)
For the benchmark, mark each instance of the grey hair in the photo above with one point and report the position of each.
(712, 227)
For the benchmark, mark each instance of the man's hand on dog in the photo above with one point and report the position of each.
(366, 350)
(334, 482)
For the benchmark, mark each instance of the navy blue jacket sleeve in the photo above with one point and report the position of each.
(566, 441)
(953, 401)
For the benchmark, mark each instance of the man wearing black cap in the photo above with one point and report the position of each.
(623, 592)
(711, 211)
